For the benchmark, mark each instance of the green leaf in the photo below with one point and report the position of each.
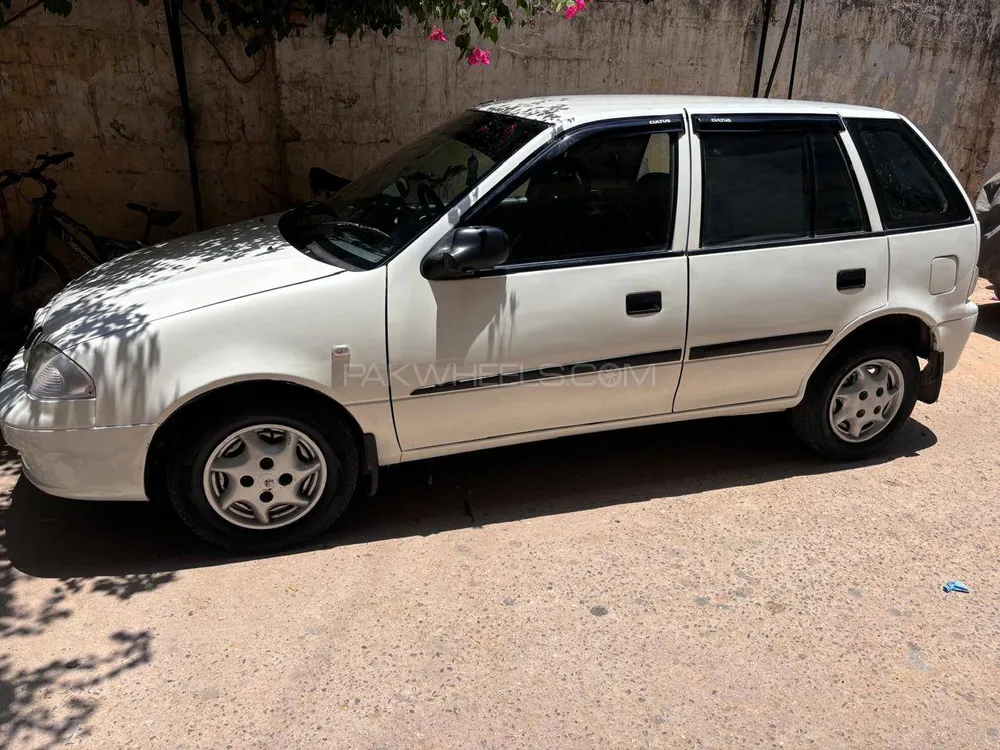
(207, 12)
(463, 42)
(222, 27)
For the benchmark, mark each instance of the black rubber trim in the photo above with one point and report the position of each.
(734, 123)
(825, 239)
(371, 462)
(931, 378)
(930, 227)
(750, 346)
(594, 260)
(555, 371)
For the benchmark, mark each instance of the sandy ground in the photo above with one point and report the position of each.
(697, 585)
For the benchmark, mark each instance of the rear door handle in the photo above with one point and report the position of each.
(851, 279)
(643, 303)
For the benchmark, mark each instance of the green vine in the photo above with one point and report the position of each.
(259, 21)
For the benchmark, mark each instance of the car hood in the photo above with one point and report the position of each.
(177, 276)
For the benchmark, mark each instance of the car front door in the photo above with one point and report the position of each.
(585, 321)
(783, 254)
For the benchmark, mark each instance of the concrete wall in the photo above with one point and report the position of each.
(933, 60)
(102, 83)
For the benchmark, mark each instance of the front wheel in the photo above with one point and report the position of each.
(857, 402)
(263, 481)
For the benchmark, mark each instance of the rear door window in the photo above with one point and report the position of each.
(765, 187)
(912, 187)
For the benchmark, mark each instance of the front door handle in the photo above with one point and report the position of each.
(851, 279)
(643, 303)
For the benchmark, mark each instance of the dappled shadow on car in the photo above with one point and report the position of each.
(988, 323)
(48, 537)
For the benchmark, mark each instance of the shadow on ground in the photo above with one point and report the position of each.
(139, 542)
(48, 703)
(989, 320)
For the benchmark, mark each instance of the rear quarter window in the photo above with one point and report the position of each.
(912, 187)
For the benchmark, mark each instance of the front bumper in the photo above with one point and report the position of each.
(63, 453)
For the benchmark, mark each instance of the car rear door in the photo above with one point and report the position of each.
(783, 253)
(585, 321)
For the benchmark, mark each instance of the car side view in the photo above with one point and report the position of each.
(531, 269)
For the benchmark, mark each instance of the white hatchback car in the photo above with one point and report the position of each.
(531, 269)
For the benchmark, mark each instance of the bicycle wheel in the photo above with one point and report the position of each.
(47, 277)
(49, 273)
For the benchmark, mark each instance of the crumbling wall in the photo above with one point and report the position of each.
(101, 82)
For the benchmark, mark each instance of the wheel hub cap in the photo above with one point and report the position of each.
(866, 401)
(265, 476)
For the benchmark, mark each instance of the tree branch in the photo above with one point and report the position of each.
(236, 77)
(26, 9)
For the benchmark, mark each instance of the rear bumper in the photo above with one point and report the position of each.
(950, 338)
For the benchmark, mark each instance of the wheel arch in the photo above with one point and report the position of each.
(912, 328)
(223, 395)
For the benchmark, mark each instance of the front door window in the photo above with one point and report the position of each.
(609, 195)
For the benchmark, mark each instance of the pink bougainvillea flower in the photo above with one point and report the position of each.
(478, 56)
(575, 8)
(437, 35)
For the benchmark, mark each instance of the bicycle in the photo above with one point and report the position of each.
(38, 275)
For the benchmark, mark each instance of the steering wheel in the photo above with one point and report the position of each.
(428, 198)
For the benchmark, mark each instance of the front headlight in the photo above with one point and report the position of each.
(53, 376)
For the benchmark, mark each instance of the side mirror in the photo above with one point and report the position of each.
(471, 249)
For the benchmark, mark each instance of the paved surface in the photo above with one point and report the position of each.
(706, 584)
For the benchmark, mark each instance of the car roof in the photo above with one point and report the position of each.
(579, 110)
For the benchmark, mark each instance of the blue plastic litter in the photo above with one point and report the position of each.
(956, 586)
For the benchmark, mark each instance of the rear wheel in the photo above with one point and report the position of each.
(263, 480)
(857, 402)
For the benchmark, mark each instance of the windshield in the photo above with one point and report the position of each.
(384, 209)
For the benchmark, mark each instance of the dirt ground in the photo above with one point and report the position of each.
(697, 585)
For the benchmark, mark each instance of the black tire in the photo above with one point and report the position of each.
(188, 458)
(810, 418)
